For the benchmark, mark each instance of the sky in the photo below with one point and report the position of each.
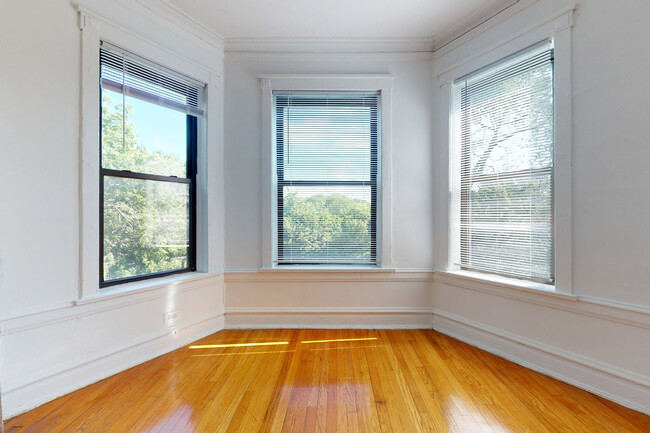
(157, 128)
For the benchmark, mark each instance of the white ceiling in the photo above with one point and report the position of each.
(437, 19)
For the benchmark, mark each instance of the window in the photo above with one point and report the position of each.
(503, 133)
(327, 148)
(148, 147)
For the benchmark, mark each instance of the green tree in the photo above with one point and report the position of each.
(326, 226)
(145, 222)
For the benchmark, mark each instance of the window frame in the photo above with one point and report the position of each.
(190, 179)
(318, 83)
(467, 180)
(210, 192)
(472, 57)
(373, 183)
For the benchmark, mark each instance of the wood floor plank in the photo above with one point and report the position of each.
(329, 381)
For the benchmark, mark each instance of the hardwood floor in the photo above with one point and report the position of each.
(329, 381)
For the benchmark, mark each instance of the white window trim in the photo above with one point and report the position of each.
(269, 83)
(558, 27)
(209, 249)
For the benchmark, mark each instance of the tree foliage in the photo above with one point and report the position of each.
(145, 222)
(321, 226)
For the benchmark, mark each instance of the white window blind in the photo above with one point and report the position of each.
(130, 75)
(327, 153)
(503, 118)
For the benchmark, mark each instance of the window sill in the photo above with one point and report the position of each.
(473, 280)
(137, 287)
(523, 284)
(325, 268)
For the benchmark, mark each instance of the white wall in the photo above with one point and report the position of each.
(54, 340)
(611, 134)
(288, 298)
(412, 181)
(599, 337)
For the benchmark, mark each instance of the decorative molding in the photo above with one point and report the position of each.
(584, 305)
(178, 18)
(329, 317)
(558, 20)
(184, 281)
(332, 57)
(97, 20)
(315, 275)
(240, 271)
(329, 45)
(383, 82)
(87, 19)
(297, 269)
(33, 319)
(613, 383)
(29, 392)
(456, 37)
(331, 49)
(328, 310)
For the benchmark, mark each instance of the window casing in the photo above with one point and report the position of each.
(503, 123)
(327, 170)
(148, 166)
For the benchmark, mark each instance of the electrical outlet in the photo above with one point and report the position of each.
(171, 317)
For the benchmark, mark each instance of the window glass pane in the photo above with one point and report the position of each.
(511, 123)
(146, 227)
(511, 227)
(142, 137)
(504, 117)
(118, 77)
(326, 143)
(327, 223)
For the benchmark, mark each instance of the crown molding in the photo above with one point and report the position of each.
(177, 20)
(329, 45)
(331, 57)
(103, 22)
(459, 35)
(554, 22)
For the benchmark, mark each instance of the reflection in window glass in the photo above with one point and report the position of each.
(326, 223)
(146, 227)
(142, 137)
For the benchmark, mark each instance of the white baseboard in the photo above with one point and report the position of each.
(33, 391)
(328, 318)
(623, 387)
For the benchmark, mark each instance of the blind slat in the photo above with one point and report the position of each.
(503, 115)
(127, 73)
(327, 146)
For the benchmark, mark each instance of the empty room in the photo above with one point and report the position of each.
(335, 216)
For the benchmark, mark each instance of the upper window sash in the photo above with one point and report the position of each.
(127, 73)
